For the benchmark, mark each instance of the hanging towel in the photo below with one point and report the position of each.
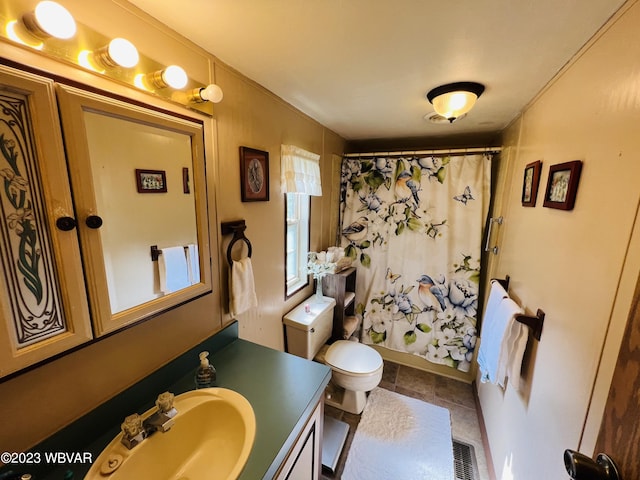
(516, 355)
(496, 342)
(510, 353)
(172, 266)
(193, 263)
(242, 291)
(496, 294)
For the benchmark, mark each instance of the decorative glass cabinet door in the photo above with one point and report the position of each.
(43, 304)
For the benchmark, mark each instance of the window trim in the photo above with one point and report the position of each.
(302, 281)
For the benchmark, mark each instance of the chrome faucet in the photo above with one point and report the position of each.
(135, 430)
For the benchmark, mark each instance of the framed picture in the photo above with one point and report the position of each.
(254, 175)
(562, 185)
(530, 184)
(151, 181)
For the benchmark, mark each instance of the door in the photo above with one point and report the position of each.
(619, 435)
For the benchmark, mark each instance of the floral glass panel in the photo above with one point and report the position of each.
(27, 257)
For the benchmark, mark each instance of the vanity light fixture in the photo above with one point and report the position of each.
(455, 99)
(50, 19)
(173, 76)
(210, 93)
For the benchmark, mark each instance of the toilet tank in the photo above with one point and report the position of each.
(308, 331)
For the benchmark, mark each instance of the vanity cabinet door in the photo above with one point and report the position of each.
(304, 460)
(138, 178)
(43, 304)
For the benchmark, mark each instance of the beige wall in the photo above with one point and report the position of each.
(248, 116)
(579, 266)
(252, 117)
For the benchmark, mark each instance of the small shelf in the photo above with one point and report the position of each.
(349, 297)
(342, 287)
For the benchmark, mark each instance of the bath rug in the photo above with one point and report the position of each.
(401, 438)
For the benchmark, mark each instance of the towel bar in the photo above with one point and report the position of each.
(236, 228)
(534, 323)
(156, 252)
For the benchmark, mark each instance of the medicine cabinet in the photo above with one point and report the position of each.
(79, 224)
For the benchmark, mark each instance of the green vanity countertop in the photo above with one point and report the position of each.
(283, 390)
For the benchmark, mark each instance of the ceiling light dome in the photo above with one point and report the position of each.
(455, 99)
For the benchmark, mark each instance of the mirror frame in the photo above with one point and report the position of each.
(73, 102)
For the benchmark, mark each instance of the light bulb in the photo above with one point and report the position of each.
(175, 77)
(50, 19)
(211, 93)
(121, 52)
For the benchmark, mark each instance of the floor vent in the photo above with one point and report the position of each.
(464, 459)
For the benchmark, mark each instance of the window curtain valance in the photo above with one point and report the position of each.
(300, 171)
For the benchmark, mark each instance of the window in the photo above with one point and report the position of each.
(297, 241)
(300, 179)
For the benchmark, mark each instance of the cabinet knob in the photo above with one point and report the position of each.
(93, 221)
(66, 223)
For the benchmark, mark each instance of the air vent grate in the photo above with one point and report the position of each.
(464, 459)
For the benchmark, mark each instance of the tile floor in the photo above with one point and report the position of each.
(454, 395)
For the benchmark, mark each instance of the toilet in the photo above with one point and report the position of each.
(355, 368)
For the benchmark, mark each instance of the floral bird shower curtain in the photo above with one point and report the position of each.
(414, 227)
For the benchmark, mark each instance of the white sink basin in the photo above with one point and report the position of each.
(212, 437)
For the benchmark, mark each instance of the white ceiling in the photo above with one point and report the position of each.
(362, 67)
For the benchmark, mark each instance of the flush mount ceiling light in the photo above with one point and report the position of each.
(50, 19)
(455, 99)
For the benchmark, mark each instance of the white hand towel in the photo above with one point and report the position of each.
(242, 291)
(496, 331)
(172, 266)
(193, 263)
(496, 294)
(517, 354)
(508, 353)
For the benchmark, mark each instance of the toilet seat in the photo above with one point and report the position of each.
(353, 358)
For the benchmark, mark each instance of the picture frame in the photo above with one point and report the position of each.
(151, 181)
(530, 183)
(562, 185)
(254, 175)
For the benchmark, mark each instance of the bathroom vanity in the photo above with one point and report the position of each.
(285, 391)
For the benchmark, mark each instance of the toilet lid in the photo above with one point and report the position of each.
(353, 357)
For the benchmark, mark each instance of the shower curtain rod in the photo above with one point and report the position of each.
(441, 151)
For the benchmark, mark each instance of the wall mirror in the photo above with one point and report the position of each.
(138, 182)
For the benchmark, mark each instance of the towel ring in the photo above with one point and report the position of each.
(237, 228)
(233, 242)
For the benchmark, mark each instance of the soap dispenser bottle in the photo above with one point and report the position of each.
(206, 374)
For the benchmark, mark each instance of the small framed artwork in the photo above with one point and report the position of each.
(254, 175)
(530, 184)
(562, 185)
(151, 181)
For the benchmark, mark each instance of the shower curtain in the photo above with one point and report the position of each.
(413, 226)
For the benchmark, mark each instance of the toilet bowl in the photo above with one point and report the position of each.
(355, 368)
